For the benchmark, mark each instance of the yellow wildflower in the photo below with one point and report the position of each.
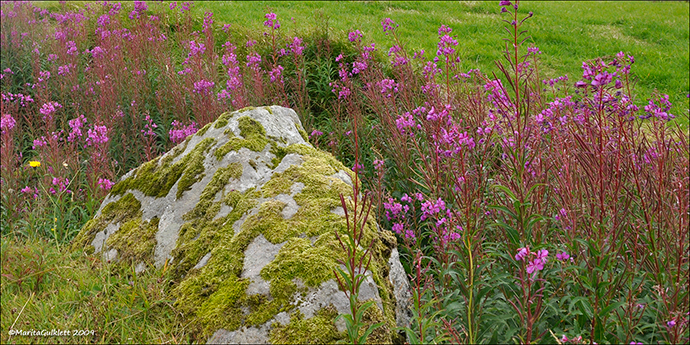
(34, 164)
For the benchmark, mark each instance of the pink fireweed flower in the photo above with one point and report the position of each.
(405, 121)
(103, 20)
(671, 324)
(272, 21)
(149, 126)
(97, 135)
(354, 36)
(203, 87)
(40, 142)
(445, 46)
(71, 48)
(179, 132)
(61, 183)
(208, 22)
(562, 214)
(48, 109)
(315, 133)
(602, 79)
(195, 49)
(253, 61)
(378, 164)
(388, 87)
(296, 46)
(562, 256)
(76, 125)
(397, 228)
(430, 208)
(542, 254)
(105, 184)
(7, 122)
(359, 66)
(533, 51)
(522, 253)
(535, 266)
(388, 25)
(186, 6)
(276, 74)
(393, 208)
(444, 30)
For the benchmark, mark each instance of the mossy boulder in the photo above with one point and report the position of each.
(243, 215)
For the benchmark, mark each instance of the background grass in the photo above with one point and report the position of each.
(655, 33)
(567, 32)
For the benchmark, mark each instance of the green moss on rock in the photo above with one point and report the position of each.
(222, 121)
(319, 329)
(120, 211)
(254, 136)
(205, 129)
(135, 241)
(156, 181)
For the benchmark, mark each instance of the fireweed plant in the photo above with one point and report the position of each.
(527, 209)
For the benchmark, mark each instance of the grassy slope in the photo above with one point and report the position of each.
(567, 33)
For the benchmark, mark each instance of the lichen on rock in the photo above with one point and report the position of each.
(243, 216)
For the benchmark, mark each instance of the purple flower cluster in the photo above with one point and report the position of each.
(195, 49)
(355, 36)
(397, 213)
(659, 111)
(76, 125)
(21, 98)
(203, 87)
(296, 46)
(405, 121)
(276, 74)
(208, 23)
(7, 122)
(535, 265)
(61, 183)
(388, 25)
(48, 109)
(388, 87)
(253, 61)
(97, 135)
(28, 190)
(139, 8)
(149, 126)
(432, 208)
(105, 184)
(272, 21)
(179, 132)
(446, 43)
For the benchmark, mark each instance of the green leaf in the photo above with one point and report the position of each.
(604, 312)
(371, 328)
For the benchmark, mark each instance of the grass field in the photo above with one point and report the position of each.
(567, 32)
